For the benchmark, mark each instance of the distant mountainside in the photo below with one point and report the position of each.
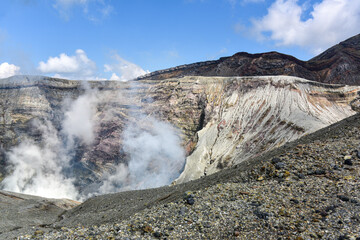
(339, 64)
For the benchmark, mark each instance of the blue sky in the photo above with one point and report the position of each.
(121, 39)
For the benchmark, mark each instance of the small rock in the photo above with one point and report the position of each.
(189, 198)
(190, 201)
(255, 203)
(280, 165)
(323, 213)
(335, 167)
(157, 234)
(275, 160)
(331, 208)
(294, 201)
(38, 232)
(300, 175)
(347, 157)
(147, 229)
(260, 178)
(236, 233)
(348, 162)
(357, 153)
(261, 215)
(343, 198)
(343, 237)
(319, 172)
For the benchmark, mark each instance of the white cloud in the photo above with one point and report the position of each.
(64, 6)
(94, 10)
(8, 70)
(330, 21)
(115, 77)
(107, 10)
(78, 66)
(123, 70)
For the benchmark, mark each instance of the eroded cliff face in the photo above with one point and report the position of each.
(250, 116)
(221, 120)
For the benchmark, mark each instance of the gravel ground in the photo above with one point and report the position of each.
(310, 191)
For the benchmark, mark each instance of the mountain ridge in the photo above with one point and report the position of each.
(339, 64)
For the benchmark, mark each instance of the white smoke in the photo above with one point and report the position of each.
(153, 149)
(40, 168)
(80, 119)
(155, 157)
(37, 167)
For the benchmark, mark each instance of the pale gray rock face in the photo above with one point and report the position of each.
(252, 115)
(222, 121)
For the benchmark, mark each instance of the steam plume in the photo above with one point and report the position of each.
(80, 119)
(155, 157)
(153, 149)
(36, 167)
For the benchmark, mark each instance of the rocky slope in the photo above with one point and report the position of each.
(307, 189)
(339, 64)
(19, 212)
(222, 121)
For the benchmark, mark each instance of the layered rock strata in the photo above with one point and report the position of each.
(222, 120)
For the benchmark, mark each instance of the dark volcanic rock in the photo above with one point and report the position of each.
(339, 64)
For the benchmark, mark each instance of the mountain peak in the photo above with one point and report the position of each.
(339, 64)
(353, 41)
(350, 46)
